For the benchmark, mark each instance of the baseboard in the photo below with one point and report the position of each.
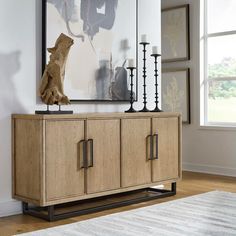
(210, 169)
(10, 207)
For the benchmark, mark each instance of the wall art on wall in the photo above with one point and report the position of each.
(175, 34)
(104, 34)
(175, 87)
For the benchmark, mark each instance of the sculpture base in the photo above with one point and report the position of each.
(47, 112)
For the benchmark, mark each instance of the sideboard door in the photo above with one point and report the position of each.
(64, 175)
(135, 143)
(165, 165)
(103, 153)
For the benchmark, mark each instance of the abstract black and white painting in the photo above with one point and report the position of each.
(104, 34)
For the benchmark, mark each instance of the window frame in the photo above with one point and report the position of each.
(206, 80)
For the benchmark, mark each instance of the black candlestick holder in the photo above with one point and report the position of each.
(144, 78)
(131, 90)
(156, 83)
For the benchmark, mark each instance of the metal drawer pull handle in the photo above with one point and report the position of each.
(156, 144)
(149, 156)
(82, 152)
(90, 142)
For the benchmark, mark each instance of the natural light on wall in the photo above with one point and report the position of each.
(219, 62)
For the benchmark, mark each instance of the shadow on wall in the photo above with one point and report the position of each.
(9, 103)
(9, 66)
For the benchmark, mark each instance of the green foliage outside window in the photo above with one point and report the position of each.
(224, 88)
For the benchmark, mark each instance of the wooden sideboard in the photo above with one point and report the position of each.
(64, 158)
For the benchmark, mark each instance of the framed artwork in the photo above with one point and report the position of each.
(175, 92)
(175, 34)
(105, 37)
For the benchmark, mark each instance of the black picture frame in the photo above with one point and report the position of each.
(44, 58)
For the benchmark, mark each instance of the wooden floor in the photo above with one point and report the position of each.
(192, 183)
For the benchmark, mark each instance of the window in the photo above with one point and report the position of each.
(219, 60)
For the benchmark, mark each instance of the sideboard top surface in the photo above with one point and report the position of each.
(97, 115)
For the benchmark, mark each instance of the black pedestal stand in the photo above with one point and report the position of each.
(156, 83)
(144, 78)
(50, 112)
(131, 92)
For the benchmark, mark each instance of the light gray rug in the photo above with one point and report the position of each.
(212, 213)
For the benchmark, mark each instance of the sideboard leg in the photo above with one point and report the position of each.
(36, 211)
(25, 207)
(51, 213)
(173, 187)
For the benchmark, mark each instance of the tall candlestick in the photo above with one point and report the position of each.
(131, 109)
(144, 45)
(156, 55)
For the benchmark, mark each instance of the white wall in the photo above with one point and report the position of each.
(208, 150)
(20, 69)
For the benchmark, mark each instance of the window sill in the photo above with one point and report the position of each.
(218, 127)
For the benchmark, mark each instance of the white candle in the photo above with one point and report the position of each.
(154, 50)
(131, 63)
(143, 38)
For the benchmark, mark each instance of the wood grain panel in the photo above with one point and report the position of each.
(167, 164)
(105, 173)
(64, 177)
(27, 155)
(135, 167)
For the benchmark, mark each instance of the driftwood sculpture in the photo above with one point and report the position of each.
(51, 88)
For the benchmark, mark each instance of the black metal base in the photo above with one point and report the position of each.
(144, 110)
(47, 112)
(131, 110)
(156, 110)
(49, 213)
